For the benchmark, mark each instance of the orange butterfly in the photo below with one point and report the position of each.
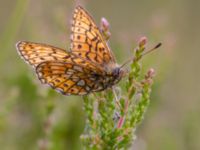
(88, 67)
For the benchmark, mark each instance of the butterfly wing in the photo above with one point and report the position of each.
(63, 71)
(67, 78)
(87, 41)
(36, 53)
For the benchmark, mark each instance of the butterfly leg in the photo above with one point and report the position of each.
(116, 96)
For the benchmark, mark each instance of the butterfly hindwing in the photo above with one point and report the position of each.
(67, 78)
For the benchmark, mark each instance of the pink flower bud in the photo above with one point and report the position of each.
(142, 41)
(104, 24)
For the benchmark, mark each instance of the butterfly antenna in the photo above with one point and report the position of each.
(152, 49)
(146, 52)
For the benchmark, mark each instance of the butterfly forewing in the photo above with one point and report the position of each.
(36, 53)
(87, 41)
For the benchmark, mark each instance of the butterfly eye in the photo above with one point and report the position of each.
(96, 76)
(116, 71)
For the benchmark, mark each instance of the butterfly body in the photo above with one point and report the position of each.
(88, 67)
(109, 79)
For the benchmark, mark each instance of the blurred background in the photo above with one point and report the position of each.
(172, 120)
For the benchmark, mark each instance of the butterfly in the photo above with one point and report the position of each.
(89, 66)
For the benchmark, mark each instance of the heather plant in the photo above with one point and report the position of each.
(114, 115)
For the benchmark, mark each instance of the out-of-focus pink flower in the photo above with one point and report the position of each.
(151, 73)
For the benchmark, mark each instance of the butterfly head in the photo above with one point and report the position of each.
(118, 73)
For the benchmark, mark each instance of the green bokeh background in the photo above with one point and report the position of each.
(172, 120)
